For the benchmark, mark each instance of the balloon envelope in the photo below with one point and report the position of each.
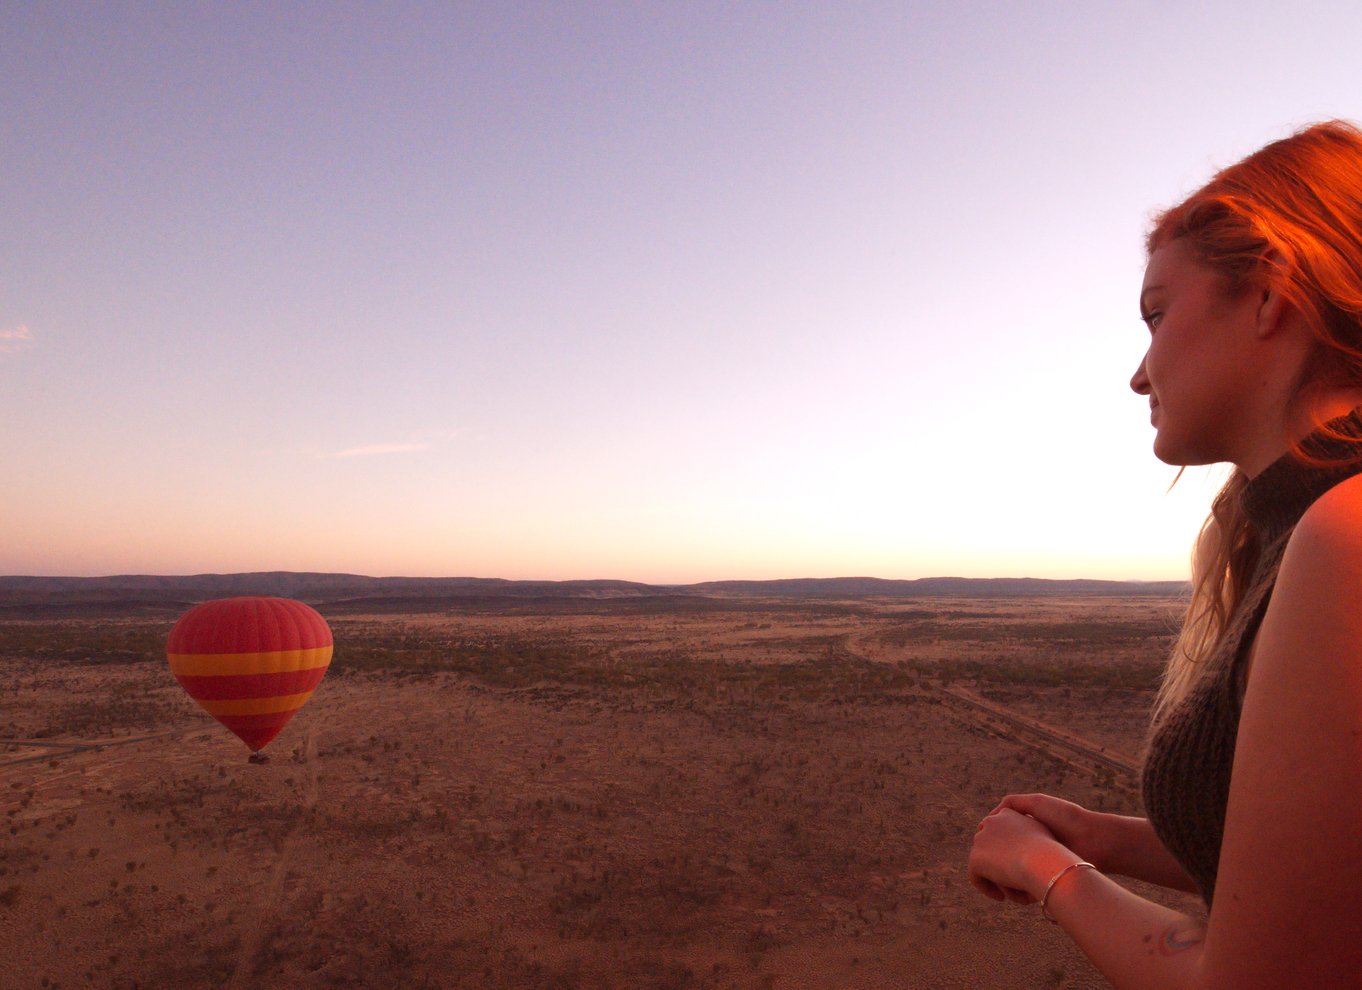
(250, 662)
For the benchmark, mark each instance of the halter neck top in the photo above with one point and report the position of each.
(1186, 777)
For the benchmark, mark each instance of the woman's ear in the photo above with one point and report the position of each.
(1273, 309)
(1272, 313)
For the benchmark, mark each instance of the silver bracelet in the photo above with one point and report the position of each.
(1051, 886)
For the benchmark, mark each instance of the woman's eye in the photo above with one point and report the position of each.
(1151, 320)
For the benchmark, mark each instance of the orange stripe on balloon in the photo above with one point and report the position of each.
(256, 706)
(234, 687)
(271, 662)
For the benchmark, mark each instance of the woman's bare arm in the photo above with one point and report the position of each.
(1135, 851)
(1285, 912)
(1134, 942)
(1113, 843)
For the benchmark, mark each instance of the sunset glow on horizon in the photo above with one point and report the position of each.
(648, 292)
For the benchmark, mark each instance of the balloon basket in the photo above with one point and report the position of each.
(258, 758)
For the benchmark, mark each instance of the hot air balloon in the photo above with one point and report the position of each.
(250, 662)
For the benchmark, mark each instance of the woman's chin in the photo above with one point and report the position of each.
(1168, 450)
(1161, 449)
(1175, 454)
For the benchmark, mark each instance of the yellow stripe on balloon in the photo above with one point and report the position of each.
(272, 662)
(257, 706)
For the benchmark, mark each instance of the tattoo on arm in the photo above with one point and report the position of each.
(1179, 938)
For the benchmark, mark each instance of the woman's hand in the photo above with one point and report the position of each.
(1087, 833)
(1014, 856)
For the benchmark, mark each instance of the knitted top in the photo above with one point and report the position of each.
(1186, 779)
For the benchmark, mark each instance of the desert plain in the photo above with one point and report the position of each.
(677, 792)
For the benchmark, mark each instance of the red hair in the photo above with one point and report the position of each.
(1287, 218)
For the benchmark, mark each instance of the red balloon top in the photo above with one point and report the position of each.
(248, 625)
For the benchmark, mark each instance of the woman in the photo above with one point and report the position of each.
(1253, 778)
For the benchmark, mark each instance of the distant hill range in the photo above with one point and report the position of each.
(18, 593)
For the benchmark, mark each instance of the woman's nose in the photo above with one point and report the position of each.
(1139, 381)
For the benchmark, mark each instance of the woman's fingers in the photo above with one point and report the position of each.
(1027, 804)
(996, 891)
(1064, 818)
(991, 890)
(987, 887)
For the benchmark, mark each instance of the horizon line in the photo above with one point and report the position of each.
(592, 580)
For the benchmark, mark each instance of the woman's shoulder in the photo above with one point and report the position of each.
(1327, 542)
(1317, 598)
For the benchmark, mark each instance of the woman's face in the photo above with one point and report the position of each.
(1199, 371)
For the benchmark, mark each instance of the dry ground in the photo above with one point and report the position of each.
(627, 794)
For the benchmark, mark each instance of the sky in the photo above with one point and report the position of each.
(665, 292)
